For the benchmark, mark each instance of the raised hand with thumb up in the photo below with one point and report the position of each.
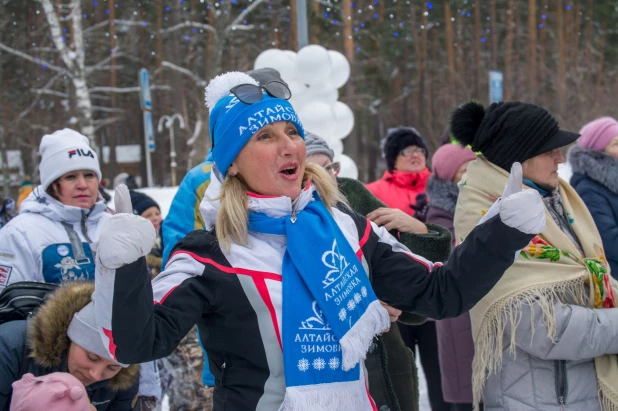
(520, 209)
(125, 237)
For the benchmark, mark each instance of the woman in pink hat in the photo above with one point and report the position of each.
(595, 178)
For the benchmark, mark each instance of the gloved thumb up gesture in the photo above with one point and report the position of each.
(125, 237)
(521, 209)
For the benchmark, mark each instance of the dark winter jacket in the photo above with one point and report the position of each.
(391, 368)
(47, 344)
(595, 178)
(455, 344)
(441, 211)
(235, 296)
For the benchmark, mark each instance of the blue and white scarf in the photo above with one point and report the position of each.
(330, 312)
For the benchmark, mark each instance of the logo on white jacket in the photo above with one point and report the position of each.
(80, 152)
(337, 264)
(5, 274)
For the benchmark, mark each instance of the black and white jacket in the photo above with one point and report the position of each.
(236, 299)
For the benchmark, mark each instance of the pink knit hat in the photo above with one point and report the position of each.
(448, 158)
(59, 391)
(597, 134)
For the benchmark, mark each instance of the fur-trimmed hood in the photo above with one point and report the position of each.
(596, 165)
(47, 334)
(443, 194)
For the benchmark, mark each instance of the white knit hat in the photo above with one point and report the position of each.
(63, 151)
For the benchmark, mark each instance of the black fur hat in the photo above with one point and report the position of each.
(396, 140)
(509, 132)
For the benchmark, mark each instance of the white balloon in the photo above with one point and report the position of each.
(345, 120)
(291, 54)
(317, 117)
(340, 72)
(348, 167)
(279, 60)
(266, 57)
(298, 89)
(325, 92)
(313, 64)
(337, 147)
(297, 105)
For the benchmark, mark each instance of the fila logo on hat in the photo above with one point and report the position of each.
(81, 153)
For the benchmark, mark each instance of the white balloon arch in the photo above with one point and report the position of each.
(314, 76)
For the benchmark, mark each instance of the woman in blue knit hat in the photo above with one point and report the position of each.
(278, 281)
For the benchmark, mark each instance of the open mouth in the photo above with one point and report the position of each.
(289, 171)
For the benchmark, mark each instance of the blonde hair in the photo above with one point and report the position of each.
(232, 218)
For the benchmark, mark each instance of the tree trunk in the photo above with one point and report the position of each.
(315, 28)
(477, 49)
(113, 140)
(542, 69)
(293, 28)
(348, 29)
(418, 59)
(599, 81)
(450, 51)
(159, 39)
(531, 55)
(493, 34)
(562, 54)
(508, 50)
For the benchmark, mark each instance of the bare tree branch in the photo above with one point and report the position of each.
(45, 49)
(126, 89)
(47, 85)
(107, 109)
(35, 60)
(115, 22)
(107, 59)
(49, 92)
(241, 16)
(184, 71)
(102, 123)
(189, 24)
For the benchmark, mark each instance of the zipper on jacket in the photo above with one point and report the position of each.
(562, 386)
(84, 229)
(293, 217)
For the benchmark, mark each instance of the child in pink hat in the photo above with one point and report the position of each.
(58, 391)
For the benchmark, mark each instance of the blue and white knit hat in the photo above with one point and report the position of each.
(233, 123)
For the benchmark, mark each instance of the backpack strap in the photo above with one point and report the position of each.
(76, 244)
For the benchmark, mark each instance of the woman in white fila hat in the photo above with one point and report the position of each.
(50, 239)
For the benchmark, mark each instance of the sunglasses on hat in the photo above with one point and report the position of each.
(251, 94)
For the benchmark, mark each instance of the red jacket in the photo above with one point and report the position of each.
(399, 189)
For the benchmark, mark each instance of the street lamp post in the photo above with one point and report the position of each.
(169, 124)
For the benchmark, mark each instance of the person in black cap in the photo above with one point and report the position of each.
(512, 132)
(545, 335)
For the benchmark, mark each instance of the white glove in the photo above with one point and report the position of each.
(125, 237)
(521, 209)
